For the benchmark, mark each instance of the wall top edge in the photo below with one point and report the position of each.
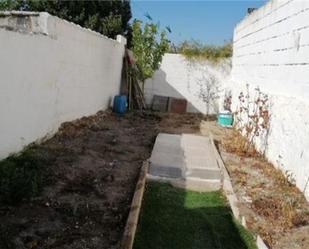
(256, 13)
(18, 13)
(37, 23)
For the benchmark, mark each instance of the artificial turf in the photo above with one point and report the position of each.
(173, 218)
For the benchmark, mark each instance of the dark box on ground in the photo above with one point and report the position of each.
(160, 103)
(177, 105)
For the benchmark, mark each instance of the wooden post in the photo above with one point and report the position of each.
(132, 221)
(130, 91)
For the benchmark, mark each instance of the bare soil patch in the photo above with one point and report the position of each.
(89, 181)
(93, 166)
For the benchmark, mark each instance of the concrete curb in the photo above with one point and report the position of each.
(132, 221)
(230, 194)
(200, 185)
(226, 183)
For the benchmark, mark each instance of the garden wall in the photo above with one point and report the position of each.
(179, 77)
(271, 50)
(51, 71)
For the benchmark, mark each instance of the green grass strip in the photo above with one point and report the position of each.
(177, 218)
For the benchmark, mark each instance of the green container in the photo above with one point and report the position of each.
(225, 119)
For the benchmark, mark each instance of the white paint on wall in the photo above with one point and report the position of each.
(58, 73)
(178, 77)
(271, 50)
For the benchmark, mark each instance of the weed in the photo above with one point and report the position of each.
(197, 50)
(253, 117)
(279, 208)
(285, 180)
(238, 144)
(227, 104)
(20, 176)
(241, 177)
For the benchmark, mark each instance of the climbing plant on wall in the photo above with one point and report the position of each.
(196, 50)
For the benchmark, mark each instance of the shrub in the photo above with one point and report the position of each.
(20, 176)
(253, 117)
(197, 50)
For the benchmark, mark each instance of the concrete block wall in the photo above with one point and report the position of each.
(271, 50)
(179, 77)
(51, 71)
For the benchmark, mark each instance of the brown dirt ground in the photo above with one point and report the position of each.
(274, 208)
(95, 163)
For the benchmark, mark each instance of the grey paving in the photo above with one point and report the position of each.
(167, 158)
(187, 158)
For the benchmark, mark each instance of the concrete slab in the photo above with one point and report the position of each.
(168, 143)
(165, 164)
(202, 185)
(198, 153)
(187, 160)
(200, 160)
(193, 184)
(167, 158)
(195, 140)
(203, 173)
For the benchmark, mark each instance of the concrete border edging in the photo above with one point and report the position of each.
(226, 184)
(132, 221)
(230, 194)
(189, 184)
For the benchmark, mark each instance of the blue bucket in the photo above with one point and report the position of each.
(225, 119)
(120, 104)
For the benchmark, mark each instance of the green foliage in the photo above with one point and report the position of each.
(149, 44)
(196, 50)
(9, 5)
(20, 176)
(107, 17)
(181, 219)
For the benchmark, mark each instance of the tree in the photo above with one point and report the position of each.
(149, 44)
(209, 91)
(107, 17)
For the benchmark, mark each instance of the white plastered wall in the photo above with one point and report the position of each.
(179, 77)
(271, 50)
(51, 71)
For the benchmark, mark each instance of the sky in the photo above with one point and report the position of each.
(208, 21)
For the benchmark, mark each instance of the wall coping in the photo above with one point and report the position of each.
(37, 23)
(266, 9)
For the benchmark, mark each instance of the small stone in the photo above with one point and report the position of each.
(247, 199)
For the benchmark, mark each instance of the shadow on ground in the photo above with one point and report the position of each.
(176, 218)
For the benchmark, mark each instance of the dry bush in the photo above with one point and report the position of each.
(282, 180)
(266, 234)
(227, 103)
(273, 208)
(301, 219)
(281, 211)
(252, 118)
(235, 143)
(285, 206)
(241, 177)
